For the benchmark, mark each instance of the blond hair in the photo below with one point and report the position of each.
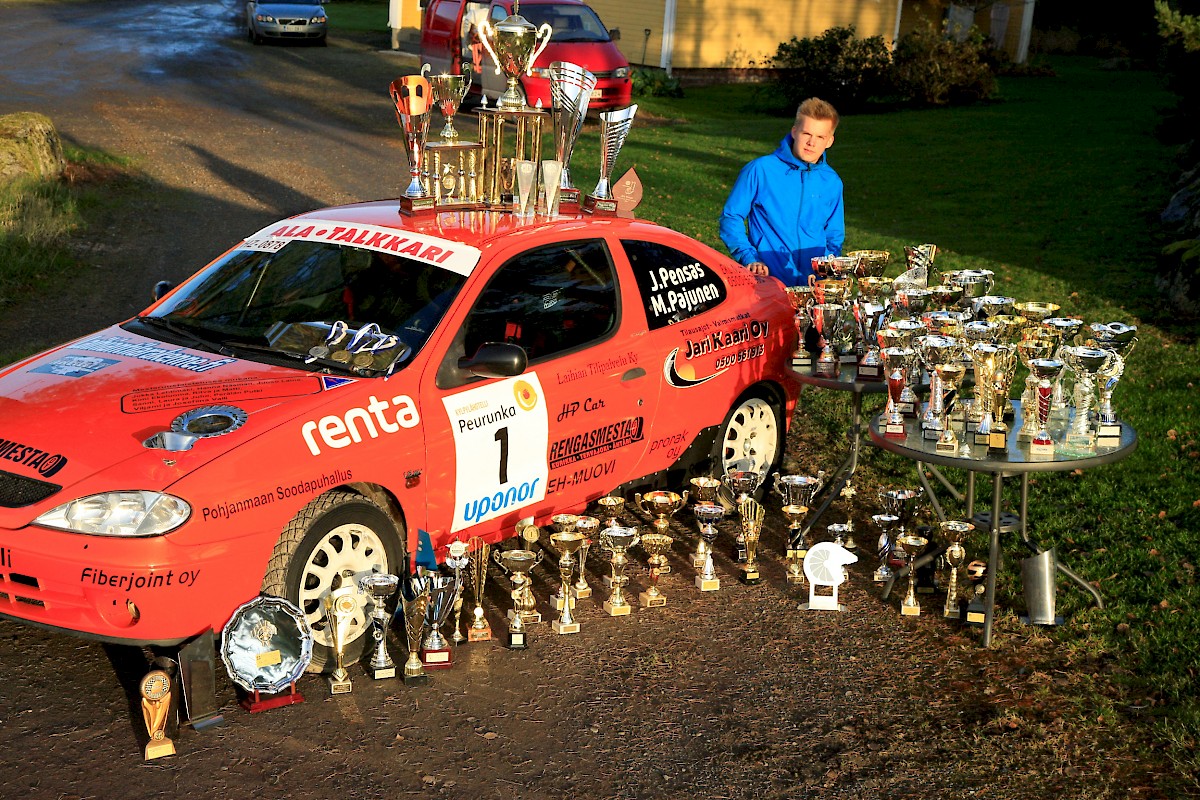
(816, 108)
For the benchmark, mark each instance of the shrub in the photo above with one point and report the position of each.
(933, 69)
(655, 83)
(835, 66)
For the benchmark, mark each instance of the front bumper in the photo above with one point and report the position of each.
(609, 92)
(278, 30)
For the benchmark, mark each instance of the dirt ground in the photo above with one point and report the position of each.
(731, 694)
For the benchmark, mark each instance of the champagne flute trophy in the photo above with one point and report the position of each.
(567, 543)
(704, 490)
(661, 505)
(617, 541)
(414, 608)
(457, 560)
(956, 556)
(478, 551)
(411, 96)
(380, 587)
(570, 92)
(657, 545)
(587, 527)
(751, 513)
(708, 515)
(614, 127)
(561, 523)
(743, 483)
(913, 546)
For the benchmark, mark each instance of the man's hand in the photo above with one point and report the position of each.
(758, 268)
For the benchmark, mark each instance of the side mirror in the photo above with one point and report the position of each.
(496, 360)
(162, 289)
(614, 34)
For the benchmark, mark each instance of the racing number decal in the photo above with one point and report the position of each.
(501, 435)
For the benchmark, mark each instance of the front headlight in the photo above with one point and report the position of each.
(132, 513)
(264, 18)
(621, 72)
(318, 20)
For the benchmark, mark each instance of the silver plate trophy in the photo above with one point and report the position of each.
(266, 646)
(570, 92)
(614, 127)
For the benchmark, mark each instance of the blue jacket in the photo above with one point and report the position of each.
(784, 212)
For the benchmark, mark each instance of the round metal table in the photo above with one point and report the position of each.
(1016, 460)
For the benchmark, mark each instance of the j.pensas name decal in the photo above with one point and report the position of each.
(152, 352)
(677, 292)
(337, 432)
(598, 440)
(46, 464)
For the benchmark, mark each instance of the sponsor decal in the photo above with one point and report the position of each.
(453, 256)
(333, 382)
(224, 511)
(570, 375)
(5, 557)
(675, 292)
(526, 396)
(134, 580)
(337, 432)
(150, 351)
(673, 445)
(683, 377)
(581, 475)
(211, 393)
(588, 404)
(598, 440)
(729, 346)
(46, 464)
(75, 366)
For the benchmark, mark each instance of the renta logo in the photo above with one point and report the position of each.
(343, 431)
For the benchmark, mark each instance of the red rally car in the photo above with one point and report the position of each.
(300, 407)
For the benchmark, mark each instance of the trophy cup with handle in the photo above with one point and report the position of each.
(661, 505)
(587, 527)
(380, 586)
(828, 319)
(704, 490)
(657, 545)
(1119, 339)
(886, 524)
(570, 93)
(1034, 346)
(411, 96)
(611, 509)
(1047, 371)
(954, 531)
(912, 546)
(869, 317)
(871, 263)
(457, 560)
(801, 297)
(567, 543)
(797, 492)
(1087, 363)
(614, 127)
(561, 523)
(1063, 331)
(478, 551)
(517, 564)
(448, 93)
(617, 541)
(898, 361)
(514, 44)
(708, 515)
(436, 652)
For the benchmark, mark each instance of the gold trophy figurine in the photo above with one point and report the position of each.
(913, 546)
(587, 526)
(657, 545)
(341, 606)
(956, 556)
(478, 551)
(156, 708)
(797, 547)
(617, 541)
(751, 513)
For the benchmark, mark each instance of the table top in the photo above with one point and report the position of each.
(846, 381)
(1015, 460)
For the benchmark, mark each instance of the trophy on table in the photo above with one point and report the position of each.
(871, 263)
(448, 93)
(991, 305)
(478, 551)
(567, 543)
(912, 546)
(910, 301)
(1035, 311)
(987, 358)
(898, 361)
(801, 297)
(411, 96)
(562, 523)
(155, 689)
(614, 127)
(586, 527)
(1119, 339)
(1003, 373)
(1047, 371)
(1062, 330)
(975, 283)
(840, 267)
(751, 513)
(831, 290)
(704, 490)
(945, 295)
(657, 545)
(875, 289)
(955, 556)
(1032, 347)
(742, 483)
(443, 591)
(797, 492)
(341, 607)
(886, 523)
(414, 609)
(870, 317)
(938, 352)
(380, 586)
(828, 319)
(617, 541)
(950, 376)
(1087, 363)
(708, 515)
(514, 44)
(570, 92)
(517, 564)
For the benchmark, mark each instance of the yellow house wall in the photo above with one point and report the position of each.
(634, 18)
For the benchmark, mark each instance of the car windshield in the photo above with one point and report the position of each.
(311, 304)
(570, 23)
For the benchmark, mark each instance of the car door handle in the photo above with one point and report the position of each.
(633, 374)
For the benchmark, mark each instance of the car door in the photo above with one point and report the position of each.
(567, 430)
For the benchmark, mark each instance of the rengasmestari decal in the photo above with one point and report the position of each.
(46, 464)
(150, 351)
(596, 441)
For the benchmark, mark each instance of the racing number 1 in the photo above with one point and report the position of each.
(502, 438)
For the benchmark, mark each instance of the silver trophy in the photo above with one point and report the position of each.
(443, 589)
(614, 127)
(1119, 339)
(380, 586)
(570, 92)
(458, 560)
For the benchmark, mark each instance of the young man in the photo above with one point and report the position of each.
(786, 208)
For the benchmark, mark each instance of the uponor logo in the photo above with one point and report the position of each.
(337, 432)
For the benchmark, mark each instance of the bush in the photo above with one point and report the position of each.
(932, 69)
(834, 66)
(655, 83)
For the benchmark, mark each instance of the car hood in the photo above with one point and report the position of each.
(593, 56)
(290, 9)
(88, 408)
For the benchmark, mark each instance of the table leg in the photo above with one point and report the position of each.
(989, 600)
(970, 495)
(937, 507)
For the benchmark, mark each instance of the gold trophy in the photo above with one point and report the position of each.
(617, 541)
(611, 509)
(1119, 339)
(988, 359)
(935, 351)
(828, 319)
(411, 96)
(1035, 345)
(587, 526)
(657, 545)
(742, 483)
(950, 376)
(708, 515)
(913, 546)
(567, 543)
(871, 263)
(1035, 311)
(380, 587)
(448, 93)
(801, 297)
(797, 492)
(155, 689)
(751, 513)
(1086, 363)
(517, 564)
(614, 127)
(704, 490)
(955, 556)
(561, 523)
(341, 606)
(514, 44)
(661, 505)
(478, 550)
(414, 629)
(898, 362)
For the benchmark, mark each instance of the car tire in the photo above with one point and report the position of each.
(339, 534)
(750, 437)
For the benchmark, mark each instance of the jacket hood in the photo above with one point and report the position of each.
(787, 155)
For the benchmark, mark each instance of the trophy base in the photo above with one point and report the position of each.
(707, 584)
(159, 748)
(1108, 441)
(910, 611)
(568, 197)
(869, 372)
(738, 553)
(951, 612)
(950, 447)
(926, 590)
(827, 369)
(417, 205)
(1044, 449)
(340, 685)
(416, 679)
(440, 658)
(982, 438)
(822, 604)
(997, 440)
(527, 617)
(1109, 431)
(556, 600)
(750, 577)
(652, 600)
(848, 358)
(931, 433)
(1024, 436)
(558, 626)
(975, 617)
(665, 569)
(382, 672)
(579, 593)
(802, 361)
(599, 206)
(479, 634)
(516, 640)
(907, 409)
(895, 432)
(617, 611)
(795, 578)
(882, 575)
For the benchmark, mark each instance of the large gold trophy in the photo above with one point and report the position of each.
(657, 545)
(341, 606)
(514, 44)
(567, 543)
(751, 513)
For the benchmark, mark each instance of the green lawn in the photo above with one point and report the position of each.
(1056, 188)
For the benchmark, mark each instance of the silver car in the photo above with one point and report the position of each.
(286, 19)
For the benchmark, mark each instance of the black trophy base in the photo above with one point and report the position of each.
(870, 372)
(750, 577)
(516, 640)
(419, 679)
(599, 207)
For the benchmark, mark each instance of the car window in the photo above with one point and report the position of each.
(571, 23)
(549, 301)
(674, 285)
(499, 14)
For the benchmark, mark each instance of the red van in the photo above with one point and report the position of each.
(448, 38)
